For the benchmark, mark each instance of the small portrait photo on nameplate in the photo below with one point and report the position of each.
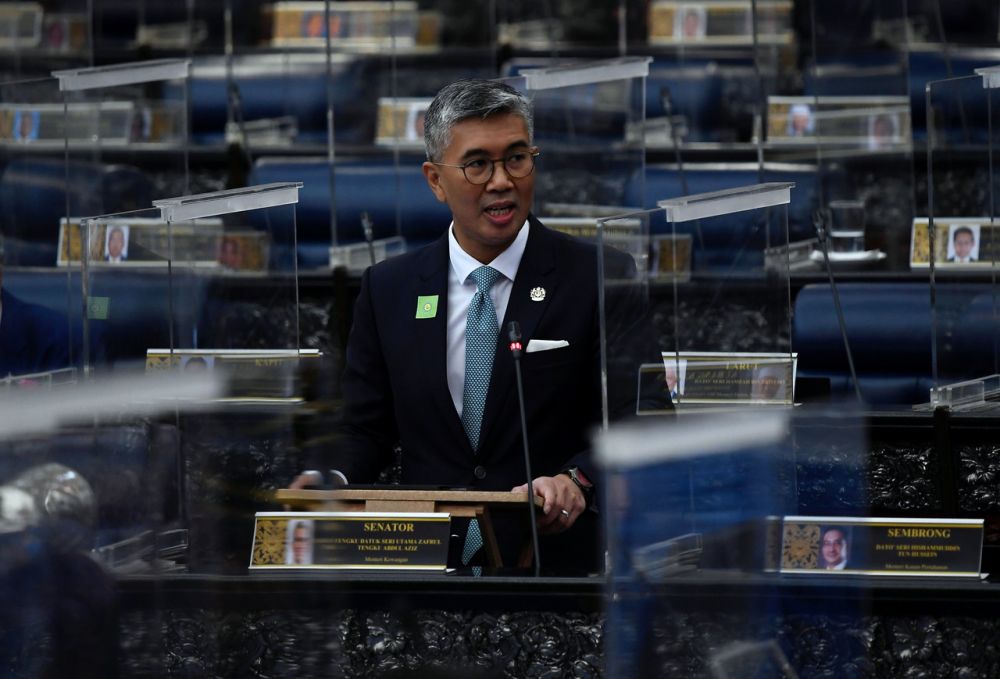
(26, 125)
(815, 545)
(730, 378)
(243, 251)
(960, 243)
(116, 243)
(671, 257)
(690, 22)
(401, 121)
(884, 131)
(372, 541)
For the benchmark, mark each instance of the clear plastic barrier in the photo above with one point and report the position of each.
(32, 33)
(694, 512)
(122, 114)
(972, 392)
(584, 115)
(693, 24)
(554, 26)
(853, 117)
(35, 196)
(204, 272)
(955, 236)
(711, 335)
(256, 220)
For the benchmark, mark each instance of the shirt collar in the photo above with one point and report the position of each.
(507, 262)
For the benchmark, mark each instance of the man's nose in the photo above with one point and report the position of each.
(500, 181)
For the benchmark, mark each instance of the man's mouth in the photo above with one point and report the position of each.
(500, 209)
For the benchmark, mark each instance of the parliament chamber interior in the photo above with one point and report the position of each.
(770, 226)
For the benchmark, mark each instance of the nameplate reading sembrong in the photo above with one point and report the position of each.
(351, 540)
(882, 546)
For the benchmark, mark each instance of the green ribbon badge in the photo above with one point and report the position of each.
(98, 308)
(427, 306)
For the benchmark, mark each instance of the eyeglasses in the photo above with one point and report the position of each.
(517, 165)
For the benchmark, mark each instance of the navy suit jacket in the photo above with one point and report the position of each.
(396, 391)
(33, 338)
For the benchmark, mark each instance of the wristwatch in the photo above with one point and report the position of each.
(577, 476)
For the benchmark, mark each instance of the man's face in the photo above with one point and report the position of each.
(833, 547)
(487, 216)
(116, 241)
(800, 123)
(300, 544)
(964, 242)
(692, 24)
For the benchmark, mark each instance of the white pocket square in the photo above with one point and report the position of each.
(545, 345)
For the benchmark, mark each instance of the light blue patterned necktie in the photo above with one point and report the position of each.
(481, 331)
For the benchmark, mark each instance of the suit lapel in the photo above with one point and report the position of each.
(537, 270)
(431, 340)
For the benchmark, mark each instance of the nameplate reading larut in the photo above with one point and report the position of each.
(351, 540)
(882, 546)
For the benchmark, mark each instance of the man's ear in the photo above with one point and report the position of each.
(433, 178)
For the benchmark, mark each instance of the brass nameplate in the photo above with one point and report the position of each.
(720, 22)
(351, 540)
(882, 546)
(706, 377)
(961, 243)
(147, 242)
(869, 123)
(271, 375)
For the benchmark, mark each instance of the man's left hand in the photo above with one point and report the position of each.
(564, 502)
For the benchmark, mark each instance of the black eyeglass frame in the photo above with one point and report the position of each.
(533, 153)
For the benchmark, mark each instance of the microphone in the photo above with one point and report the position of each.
(514, 337)
(514, 344)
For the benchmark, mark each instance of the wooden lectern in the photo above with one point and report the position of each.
(465, 503)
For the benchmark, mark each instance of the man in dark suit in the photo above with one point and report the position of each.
(417, 373)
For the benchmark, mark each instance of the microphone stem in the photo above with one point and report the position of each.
(527, 467)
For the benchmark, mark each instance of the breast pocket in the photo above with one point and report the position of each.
(552, 358)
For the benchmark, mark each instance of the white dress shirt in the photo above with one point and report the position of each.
(461, 289)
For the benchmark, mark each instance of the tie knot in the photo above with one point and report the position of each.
(485, 277)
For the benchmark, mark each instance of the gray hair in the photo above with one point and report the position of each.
(465, 99)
